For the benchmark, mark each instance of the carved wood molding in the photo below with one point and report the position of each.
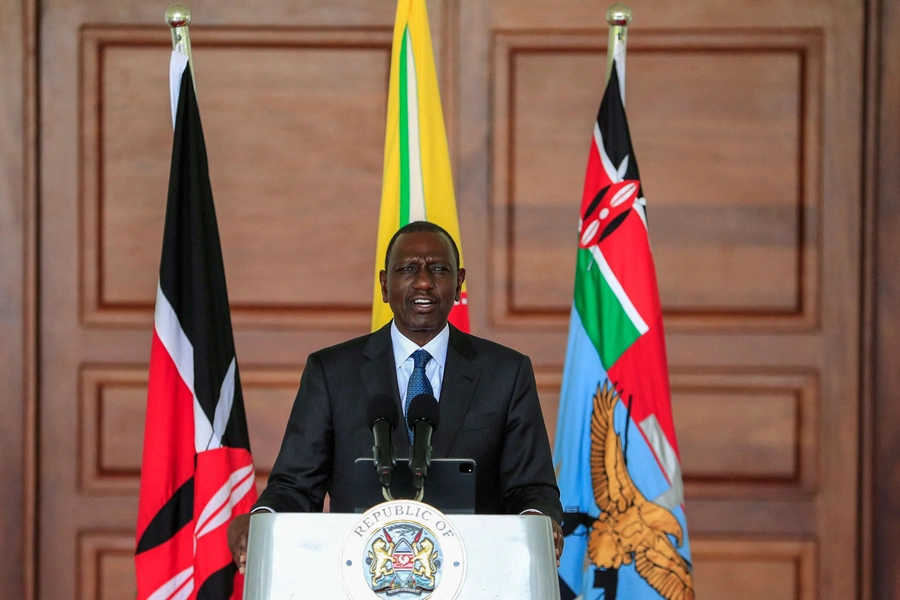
(112, 399)
(96, 308)
(797, 303)
(743, 568)
(767, 443)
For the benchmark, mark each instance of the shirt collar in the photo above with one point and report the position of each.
(404, 347)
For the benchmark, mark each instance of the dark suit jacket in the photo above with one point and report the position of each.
(489, 412)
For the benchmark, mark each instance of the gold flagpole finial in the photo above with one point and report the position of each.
(178, 18)
(178, 15)
(619, 14)
(619, 18)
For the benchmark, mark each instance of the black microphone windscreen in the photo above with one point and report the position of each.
(423, 407)
(382, 407)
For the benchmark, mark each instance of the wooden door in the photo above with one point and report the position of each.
(747, 133)
(293, 100)
(745, 120)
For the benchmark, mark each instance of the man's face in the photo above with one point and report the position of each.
(421, 284)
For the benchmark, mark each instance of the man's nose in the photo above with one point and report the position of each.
(423, 279)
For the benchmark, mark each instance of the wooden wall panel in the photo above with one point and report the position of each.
(774, 569)
(293, 101)
(883, 444)
(699, 14)
(118, 450)
(752, 428)
(761, 427)
(763, 337)
(725, 128)
(112, 411)
(294, 126)
(745, 131)
(740, 431)
(268, 396)
(18, 331)
(106, 566)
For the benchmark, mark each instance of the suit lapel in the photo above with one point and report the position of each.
(379, 376)
(457, 389)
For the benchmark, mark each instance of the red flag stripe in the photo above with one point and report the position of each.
(166, 466)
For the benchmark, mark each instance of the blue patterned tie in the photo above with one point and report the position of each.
(418, 384)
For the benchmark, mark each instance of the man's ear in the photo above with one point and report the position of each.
(382, 277)
(460, 278)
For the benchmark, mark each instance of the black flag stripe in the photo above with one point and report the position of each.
(219, 585)
(614, 129)
(175, 514)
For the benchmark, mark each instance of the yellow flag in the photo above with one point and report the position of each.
(417, 185)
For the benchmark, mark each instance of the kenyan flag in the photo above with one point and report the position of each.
(196, 469)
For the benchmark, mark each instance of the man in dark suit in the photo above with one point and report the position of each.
(488, 402)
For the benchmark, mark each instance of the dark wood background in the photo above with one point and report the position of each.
(769, 144)
(881, 385)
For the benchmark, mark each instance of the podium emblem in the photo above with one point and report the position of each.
(403, 550)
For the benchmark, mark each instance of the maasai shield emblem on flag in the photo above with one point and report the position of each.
(616, 456)
(197, 470)
(417, 185)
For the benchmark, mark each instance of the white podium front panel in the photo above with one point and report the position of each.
(294, 556)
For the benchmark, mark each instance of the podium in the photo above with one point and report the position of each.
(400, 550)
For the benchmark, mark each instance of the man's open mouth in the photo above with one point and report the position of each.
(423, 303)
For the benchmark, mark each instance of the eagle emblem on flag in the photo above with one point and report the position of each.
(631, 528)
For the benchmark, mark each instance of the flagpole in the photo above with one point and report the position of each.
(618, 17)
(178, 17)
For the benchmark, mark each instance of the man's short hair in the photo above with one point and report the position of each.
(419, 227)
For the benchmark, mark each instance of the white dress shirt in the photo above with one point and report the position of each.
(434, 368)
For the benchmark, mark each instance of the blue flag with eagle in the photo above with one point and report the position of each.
(616, 456)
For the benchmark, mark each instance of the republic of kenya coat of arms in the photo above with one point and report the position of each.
(404, 550)
(407, 561)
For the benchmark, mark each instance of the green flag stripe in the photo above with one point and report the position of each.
(607, 324)
(404, 134)
(619, 291)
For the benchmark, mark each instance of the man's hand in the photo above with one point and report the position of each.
(237, 540)
(557, 533)
(558, 540)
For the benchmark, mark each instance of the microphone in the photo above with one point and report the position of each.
(423, 416)
(382, 415)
